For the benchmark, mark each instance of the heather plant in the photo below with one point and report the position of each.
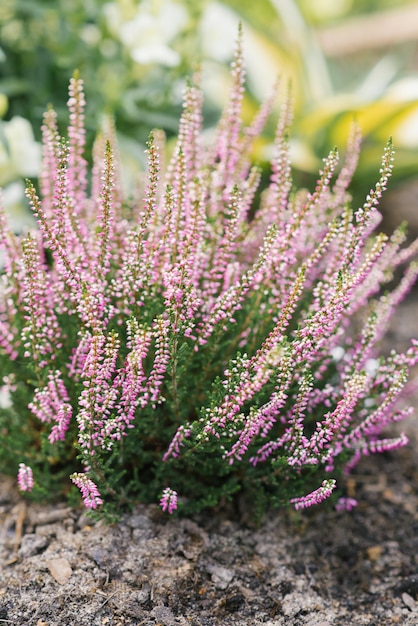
(204, 338)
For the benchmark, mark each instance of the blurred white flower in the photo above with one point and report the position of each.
(90, 34)
(16, 206)
(218, 34)
(149, 34)
(406, 133)
(20, 154)
(404, 90)
(371, 366)
(337, 353)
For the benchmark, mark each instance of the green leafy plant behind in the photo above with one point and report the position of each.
(144, 51)
(193, 343)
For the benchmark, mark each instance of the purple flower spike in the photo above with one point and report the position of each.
(315, 497)
(346, 504)
(168, 500)
(25, 478)
(89, 492)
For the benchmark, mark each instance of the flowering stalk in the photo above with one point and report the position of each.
(89, 492)
(317, 496)
(177, 348)
(25, 478)
(168, 500)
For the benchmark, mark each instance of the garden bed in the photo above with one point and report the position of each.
(320, 568)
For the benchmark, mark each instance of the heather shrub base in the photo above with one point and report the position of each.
(186, 345)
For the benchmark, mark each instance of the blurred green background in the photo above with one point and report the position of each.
(345, 58)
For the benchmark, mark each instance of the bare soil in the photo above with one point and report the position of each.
(318, 569)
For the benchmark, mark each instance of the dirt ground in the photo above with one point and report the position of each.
(319, 568)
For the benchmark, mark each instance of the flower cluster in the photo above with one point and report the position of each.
(194, 340)
(25, 478)
(89, 492)
(168, 500)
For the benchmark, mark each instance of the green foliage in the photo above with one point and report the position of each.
(42, 42)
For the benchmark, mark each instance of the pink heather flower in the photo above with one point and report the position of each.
(25, 478)
(63, 419)
(89, 492)
(315, 497)
(168, 500)
(76, 132)
(52, 404)
(177, 441)
(346, 504)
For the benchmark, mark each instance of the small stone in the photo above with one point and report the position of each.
(234, 602)
(46, 530)
(221, 576)
(140, 535)
(39, 518)
(143, 595)
(164, 615)
(32, 544)
(98, 554)
(60, 570)
(85, 522)
(409, 601)
(374, 553)
(139, 520)
(295, 602)
(408, 585)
